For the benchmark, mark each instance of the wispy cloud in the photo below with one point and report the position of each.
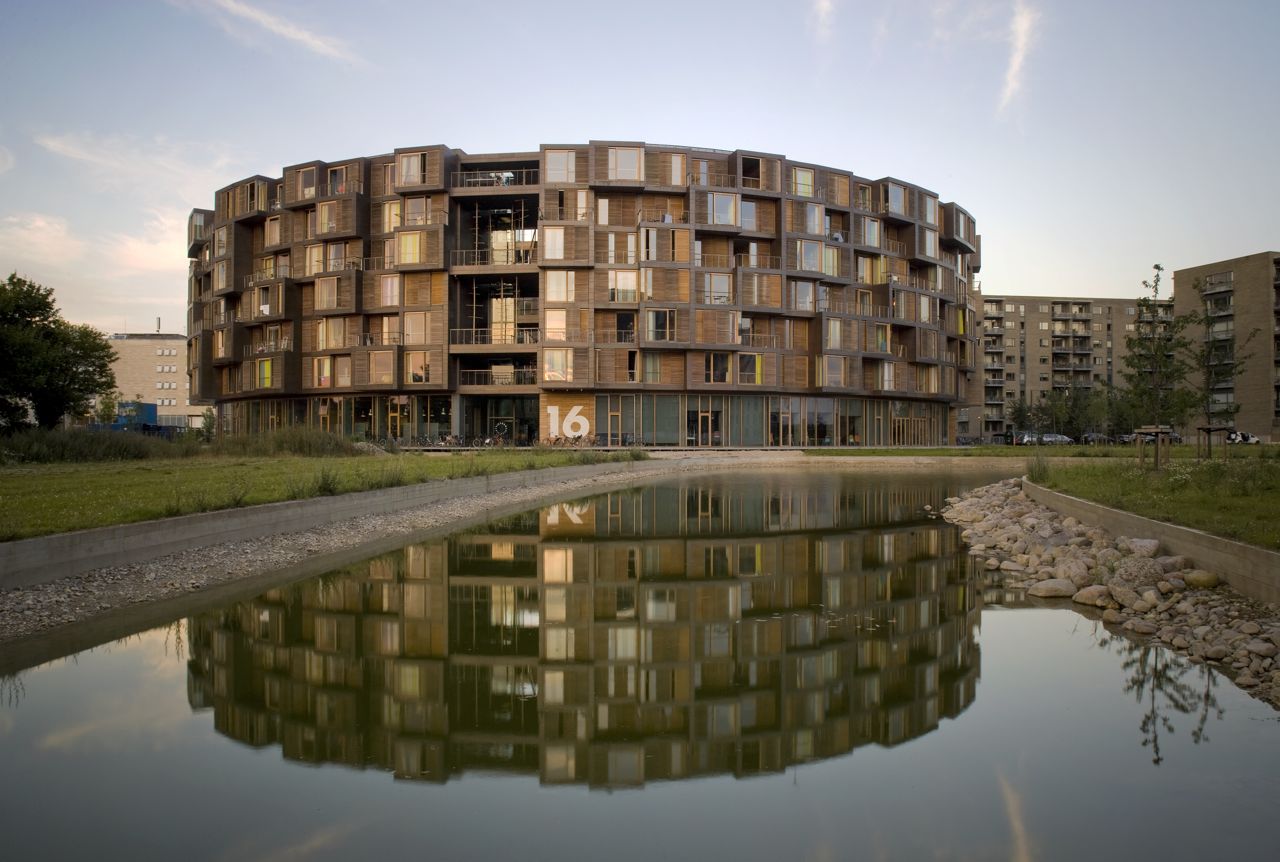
(6, 160)
(37, 238)
(1022, 31)
(229, 12)
(822, 18)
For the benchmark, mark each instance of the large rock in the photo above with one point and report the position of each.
(1124, 595)
(1266, 649)
(1139, 572)
(1173, 564)
(1199, 579)
(1108, 557)
(1144, 547)
(1141, 627)
(1095, 596)
(1054, 588)
(1074, 571)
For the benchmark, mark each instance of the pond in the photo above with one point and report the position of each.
(775, 666)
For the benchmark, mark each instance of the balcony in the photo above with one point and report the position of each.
(583, 214)
(758, 261)
(661, 216)
(713, 179)
(268, 348)
(494, 256)
(373, 339)
(502, 178)
(497, 336)
(509, 377)
(614, 336)
(265, 276)
(714, 261)
(337, 188)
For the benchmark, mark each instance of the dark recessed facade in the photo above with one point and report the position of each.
(631, 293)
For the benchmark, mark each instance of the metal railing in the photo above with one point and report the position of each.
(333, 188)
(894, 246)
(373, 339)
(514, 377)
(614, 336)
(665, 216)
(493, 256)
(758, 261)
(566, 214)
(500, 178)
(263, 348)
(526, 306)
(281, 271)
(715, 179)
(420, 219)
(497, 335)
(720, 261)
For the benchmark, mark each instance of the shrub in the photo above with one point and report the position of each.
(1038, 468)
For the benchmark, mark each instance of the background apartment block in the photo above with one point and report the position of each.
(1240, 295)
(152, 367)
(1032, 345)
(635, 293)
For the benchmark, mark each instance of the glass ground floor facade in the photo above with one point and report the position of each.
(607, 419)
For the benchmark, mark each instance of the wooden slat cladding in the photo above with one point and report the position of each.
(766, 216)
(666, 168)
(716, 327)
(425, 288)
(669, 285)
(576, 245)
(837, 189)
(760, 290)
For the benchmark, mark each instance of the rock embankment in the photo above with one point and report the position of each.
(1164, 598)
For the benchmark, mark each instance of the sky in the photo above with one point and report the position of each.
(1090, 139)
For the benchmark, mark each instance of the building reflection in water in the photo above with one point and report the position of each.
(665, 632)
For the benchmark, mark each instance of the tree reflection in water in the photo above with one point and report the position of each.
(1167, 685)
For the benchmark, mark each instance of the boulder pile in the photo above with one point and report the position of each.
(1145, 594)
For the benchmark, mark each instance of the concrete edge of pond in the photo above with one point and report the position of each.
(1249, 569)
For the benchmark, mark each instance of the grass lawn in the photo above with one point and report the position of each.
(1238, 498)
(38, 499)
(1005, 451)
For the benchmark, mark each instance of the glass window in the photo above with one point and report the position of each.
(651, 368)
(556, 323)
(416, 367)
(625, 163)
(723, 208)
(802, 295)
(273, 231)
(716, 367)
(896, 199)
(750, 369)
(931, 243)
(802, 182)
(814, 218)
(415, 211)
(326, 293)
(559, 284)
(220, 275)
(328, 217)
(307, 183)
(749, 215)
(389, 290)
(661, 325)
(882, 338)
(390, 216)
(931, 210)
(623, 285)
(382, 365)
(553, 243)
(717, 288)
(336, 256)
(409, 247)
(415, 327)
(264, 373)
(833, 371)
(809, 255)
(342, 371)
(677, 169)
(557, 365)
(560, 166)
(411, 168)
(602, 211)
(871, 232)
(322, 371)
(833, 334)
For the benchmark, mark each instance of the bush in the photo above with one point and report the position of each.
(42, 446)
(1038, 469)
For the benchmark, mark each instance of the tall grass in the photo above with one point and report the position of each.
(40, 446)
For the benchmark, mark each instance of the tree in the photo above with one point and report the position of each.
(1019, 413)
(51, 367)
(208, 425)
(108, 407)
(1157, 366)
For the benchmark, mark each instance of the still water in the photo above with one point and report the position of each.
(765, 667)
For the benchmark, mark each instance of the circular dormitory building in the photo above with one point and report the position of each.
(626, 293)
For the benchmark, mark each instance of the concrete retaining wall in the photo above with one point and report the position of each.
(36, 561)
(1251, 570)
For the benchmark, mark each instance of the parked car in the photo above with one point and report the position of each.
(1056, 440)
(1243, 437)
(1172, 437)
(1092, 439)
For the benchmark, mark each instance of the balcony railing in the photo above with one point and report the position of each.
(264, 348)
(525, 307)
(713, 178)
(373, 339)
(385, 262)
(565, 214)
(334, 188)
(493, 256)
(893, 246)
(499, 335)
(262, 276)
(514, 377)
(758, 261)
(614, 336)
(494, 178)
(420, 219)
(665, 216)
(719, 261)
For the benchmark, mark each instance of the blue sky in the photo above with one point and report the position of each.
(1090, 139)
